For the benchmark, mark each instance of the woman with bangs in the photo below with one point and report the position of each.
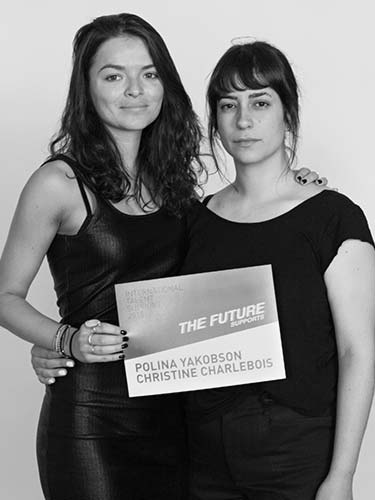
(296, 438)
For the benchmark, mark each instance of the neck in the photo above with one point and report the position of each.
(128, 145)
(262, 181)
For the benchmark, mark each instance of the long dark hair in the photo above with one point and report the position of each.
(168, 161)
(255, 66)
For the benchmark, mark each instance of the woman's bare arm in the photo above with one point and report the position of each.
(47, 203)
(350, 281)
(36, 221)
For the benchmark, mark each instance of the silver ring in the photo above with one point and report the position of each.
(89, 338)
(92, 323)
(93, 349)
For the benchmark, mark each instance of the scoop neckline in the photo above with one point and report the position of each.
(125, 214)
(273, 219)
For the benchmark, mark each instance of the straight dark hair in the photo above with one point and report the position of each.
(255, 66)
(168, 162)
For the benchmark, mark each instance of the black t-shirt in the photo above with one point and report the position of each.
(299, 244)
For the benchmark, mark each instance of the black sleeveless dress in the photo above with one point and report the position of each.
(94, 442)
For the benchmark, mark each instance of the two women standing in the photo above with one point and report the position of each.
(119, 205)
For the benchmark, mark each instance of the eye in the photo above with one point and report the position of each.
(227, 106)
(151, 75)
(113, 78)
(261, 104)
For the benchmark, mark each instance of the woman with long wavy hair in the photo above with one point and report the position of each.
(106, 207)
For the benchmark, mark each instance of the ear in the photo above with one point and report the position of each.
(287, 136)
(287, 121)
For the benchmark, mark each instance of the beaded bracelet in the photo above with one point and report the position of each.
(71, 345)
(60, 338)
(57, 340)
(63, 342)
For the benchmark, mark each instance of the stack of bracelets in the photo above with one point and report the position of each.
(62, 340)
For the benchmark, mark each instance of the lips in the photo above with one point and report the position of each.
(246, 142)
(139, 106)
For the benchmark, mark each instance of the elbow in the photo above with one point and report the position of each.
(6, 301)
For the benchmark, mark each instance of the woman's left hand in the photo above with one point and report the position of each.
(306, 176)
(336, 486)
(49, 365)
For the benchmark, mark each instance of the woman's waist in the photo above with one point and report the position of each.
(96, 417)
(101, 385)
(309, 392)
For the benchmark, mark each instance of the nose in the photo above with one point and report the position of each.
(244, 119)
(133, 87)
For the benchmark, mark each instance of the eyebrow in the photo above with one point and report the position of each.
(251, 96)
(119, 67)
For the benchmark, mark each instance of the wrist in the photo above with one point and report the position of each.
(342, 473)
(61, 343)
(69, 342)
(59, 339)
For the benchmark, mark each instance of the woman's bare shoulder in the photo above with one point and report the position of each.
(56, 174)
(52, 187)
(220, 197)
(52, 178)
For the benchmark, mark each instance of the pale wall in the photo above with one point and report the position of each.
(331, 47)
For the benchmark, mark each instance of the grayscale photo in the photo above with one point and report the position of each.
(187, 259)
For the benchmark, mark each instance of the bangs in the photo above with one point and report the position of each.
(254, 66)
(240, 73)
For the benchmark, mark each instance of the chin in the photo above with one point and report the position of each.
(134, 125)
(252, 157)
(247, 159)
